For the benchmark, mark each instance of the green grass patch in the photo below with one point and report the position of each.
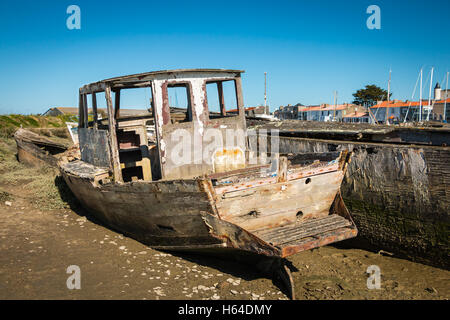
(10, 123)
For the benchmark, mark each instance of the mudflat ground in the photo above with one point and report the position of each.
(43, 232)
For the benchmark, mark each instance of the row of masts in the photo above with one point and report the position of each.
(388, 97)
(429, 96)
(420, 98)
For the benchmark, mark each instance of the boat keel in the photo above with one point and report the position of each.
(277, 269)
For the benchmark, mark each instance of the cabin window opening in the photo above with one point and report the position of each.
(90, 109)
(102, 111)
(179, 97)
(135, 102)
(221, 97)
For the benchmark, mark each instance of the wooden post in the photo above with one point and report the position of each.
(117, 104)
(112, 136)
(282, 169)
(239, 96)
(80, 111)
(85, 111)
(221, 99)
(94, 109)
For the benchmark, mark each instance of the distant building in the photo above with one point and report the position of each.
(441, 94)
(356, 117)
(58, 111)
(438, 110)
(398, 111)
(288, 112)
(253, 111)
(329, 112)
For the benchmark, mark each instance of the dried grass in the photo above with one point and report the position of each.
(46, 187)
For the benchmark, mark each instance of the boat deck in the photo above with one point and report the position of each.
(306, 235)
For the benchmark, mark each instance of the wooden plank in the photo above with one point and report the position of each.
(113, 136)
(239, 96)
(297, 174)
(273, 232)
(117, 104)
(94, 147)
(303, 230)
(322, 240)
(80, 111)
(282, 169)
(93, 87)
(277, 204)
(85, 111)
(94, 110)
(221, 99)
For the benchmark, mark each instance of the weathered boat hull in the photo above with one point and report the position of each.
(171, 215)
(36, 150)
(183, 215)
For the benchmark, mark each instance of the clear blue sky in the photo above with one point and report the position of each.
(308, 48)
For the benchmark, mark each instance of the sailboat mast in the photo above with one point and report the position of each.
(334, 108)
(445, 97)
(429, 95)
(265, 91)
(420, 99)
(388, 94)
(389, 86)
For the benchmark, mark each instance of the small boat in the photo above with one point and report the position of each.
(37, 150)
(188, 188)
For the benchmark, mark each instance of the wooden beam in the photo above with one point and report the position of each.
(80, 110)
(117, 104)
(239, 96)
(93, 87)
(282, 169)
(85, 111)
(131, 85)
(223, 112)
(94, 110)
(113, 137)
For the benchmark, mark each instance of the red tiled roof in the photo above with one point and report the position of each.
(356, 115)
(398, 104)
(246, 109)
(329, 107)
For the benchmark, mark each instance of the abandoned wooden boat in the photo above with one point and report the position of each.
(221, 197)
(37, 150)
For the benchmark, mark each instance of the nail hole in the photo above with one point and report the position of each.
(253, 213)
(299, 215)
(308, 180)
